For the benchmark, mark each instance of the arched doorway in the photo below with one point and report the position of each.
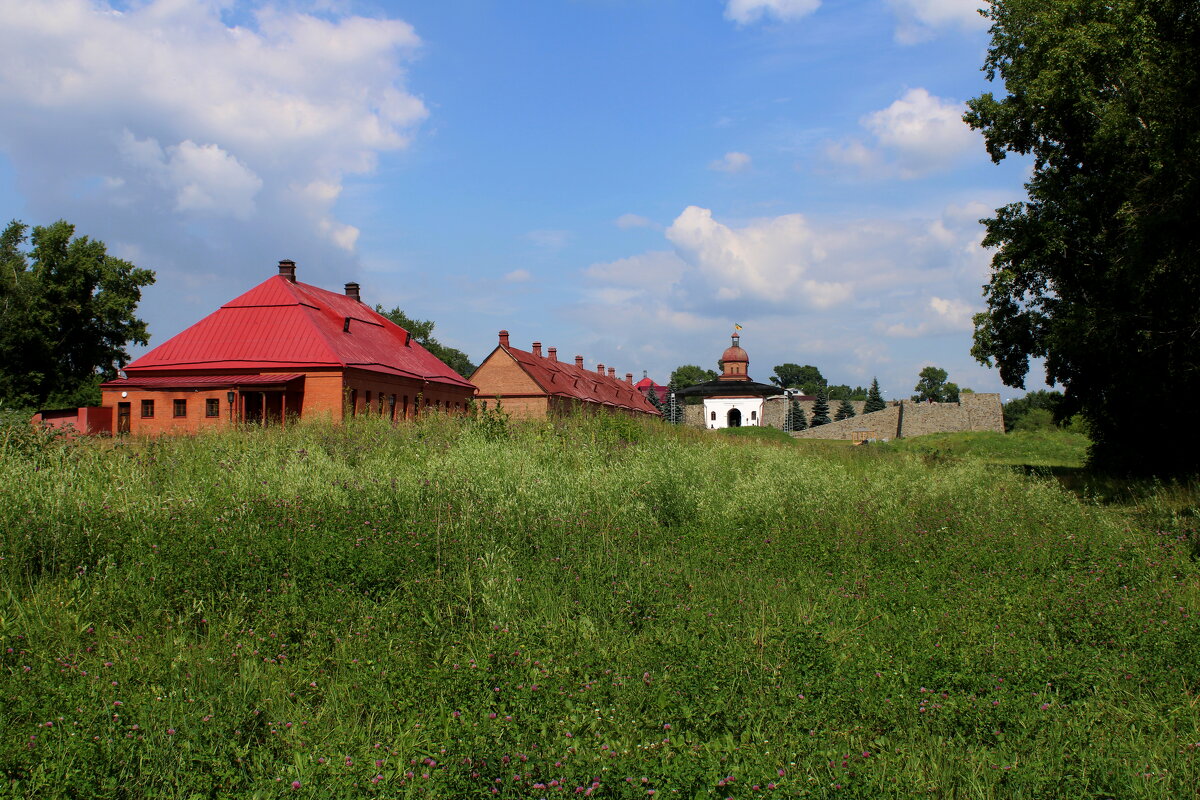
(734, 418)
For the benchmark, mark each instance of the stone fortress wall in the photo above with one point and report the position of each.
(980, 411)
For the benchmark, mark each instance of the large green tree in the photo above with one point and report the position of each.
(422, 331)
(932, 385)
(1098, 270)
(67, 313)
(690, 374)
(806, 378)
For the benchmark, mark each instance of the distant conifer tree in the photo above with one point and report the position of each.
(874, 398)
(820, 409)
(652, 396)
(796, 418)
(844, 411)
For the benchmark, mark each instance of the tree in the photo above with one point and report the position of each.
(874, 398)
(1040, 400)
(796, 420)
(674, 405)
(806, 378)
(690, 374)
(932, 386)
(66, 315)
(843, 392)
(1098, 270)
(845, 411)
(652, 398)
(422, 331)
(820, 409)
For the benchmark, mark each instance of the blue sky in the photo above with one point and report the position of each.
(623, 179)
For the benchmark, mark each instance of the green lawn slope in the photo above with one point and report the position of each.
(597, 607)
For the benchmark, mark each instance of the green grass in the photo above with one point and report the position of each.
(597, 607)
(1043, 448)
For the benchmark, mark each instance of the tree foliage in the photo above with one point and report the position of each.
(1096, 271)
(844, 411)
(690, 374)
(806, 378)
(820, 409)
(66, 315)
(795, 419)
(874, 398)
(422, 331)
(842, 391)
(933, 386)
(1040, 400)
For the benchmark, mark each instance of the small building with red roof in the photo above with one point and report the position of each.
(531, 385)
(283, 350)
(647, 385)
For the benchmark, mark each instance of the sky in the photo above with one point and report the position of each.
(622, 179)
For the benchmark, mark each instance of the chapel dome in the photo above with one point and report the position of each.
(734, 353)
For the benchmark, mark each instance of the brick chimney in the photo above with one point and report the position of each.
(612, 372)
(287, 269)
(629, 377)
(600, 368)
(504, 339)
(553, 353)
(537, 349)
(579, 361)
(352, 291)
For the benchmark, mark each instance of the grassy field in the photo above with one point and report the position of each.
(594, 608)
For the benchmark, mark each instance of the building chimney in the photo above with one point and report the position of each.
(629, 377)
(537, 349)
(612, 372)
(600, 368)
(579, 361)
(352, 291)
(504, 339)
(287, 269)
(553, 353)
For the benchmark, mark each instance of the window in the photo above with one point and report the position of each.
(212, 407)
(392, 407)
(714, 416)
(367, 402)
(147, 409)
(405, 414)
(353, 402)
(753, 415)
(179, 408)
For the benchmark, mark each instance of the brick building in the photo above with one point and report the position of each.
(283, 350)
(533, 386)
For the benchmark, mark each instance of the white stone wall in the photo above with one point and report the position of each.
(751, 408)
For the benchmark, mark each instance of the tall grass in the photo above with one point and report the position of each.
(595, 607)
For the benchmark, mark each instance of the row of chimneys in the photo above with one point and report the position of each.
(287, 271)
(553, 356)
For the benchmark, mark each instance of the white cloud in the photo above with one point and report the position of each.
(202, 177)
(859, 294)
(919, 20)
(205, 142)
(916, 135)
(518, 276)
(655, 271)
(746, 12)
(731, 162)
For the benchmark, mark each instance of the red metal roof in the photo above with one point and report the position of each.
(280, 323)
(564, 379)
(197, 381)
(647, 385)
